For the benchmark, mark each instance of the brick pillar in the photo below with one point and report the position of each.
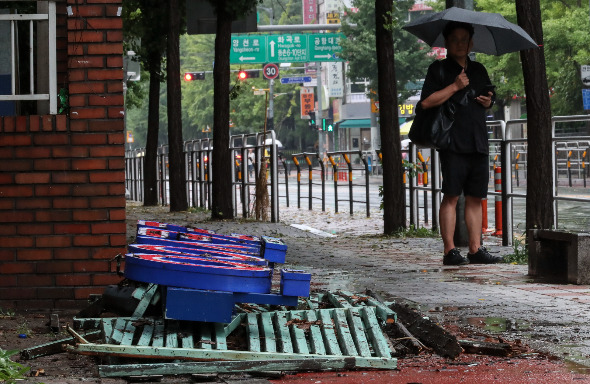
(62, 192)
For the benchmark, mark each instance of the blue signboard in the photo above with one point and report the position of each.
(295, 80)
(586, 98)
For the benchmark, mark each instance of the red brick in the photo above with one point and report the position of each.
(76, 24)
(61, 123)
(78, 101)
(108, 228)
(119, 240)
(70, 202)
(112, 10)
(77, 50)
(77, 280)
(14, 140)
(108, 253)
(107, 202)
(6, 178)
(110, 23)
(89, 138)
(117, 163)
(116, 113)
(17, 217)
(53, 190)
(16, 268)
(90, 215)
(105, 74)
(21, 123)
(70, 305)
(38, 203)
(72, 228)
(90, 190)
(117, 189)
(7, 281)
(107, 177)
(89, 164)
(87, 87)
(34, 305)
(18, 294)
(102, 1)
(52, 165)
(6, 153)
(88, 11)
(34, 229)
(114, 61)
(9, 124)
(53, 241)
(69, 152)
(34, 123)
(33, 254)
(91, 241)
(109, 279)
(70, 177)
(115, 87)
(82, 37)
(105, 49)
(71, 254)
(32, 152)
(16, 191)
(84, 293)
(47, 123)
(34, 281)
(117, 138)
(55, 292)
(87, 113)
(45, 216)
(7, 255)
(75, 75)
(32, 178)
(78, 126)
(106, 125)
(7, 229)
(52, 139)
(106, 100)
(55, 267)
(91, 266)
(108, 151)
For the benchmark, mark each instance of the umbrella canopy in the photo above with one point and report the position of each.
(404, 129)
(277, 142)
(493, 34)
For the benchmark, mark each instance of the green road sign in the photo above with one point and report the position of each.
(285, 48)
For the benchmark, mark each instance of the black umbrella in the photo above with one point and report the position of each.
(493, 34)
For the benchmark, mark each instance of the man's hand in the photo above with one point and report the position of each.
(461, 81)
(485, 101)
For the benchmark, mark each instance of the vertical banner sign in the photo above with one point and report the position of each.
(307, 101)
(333, 5)
(310, 8)
(335, 80)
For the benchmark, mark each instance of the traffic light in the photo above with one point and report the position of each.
(312, 120)
(190, 76)
(329, 125)
(248, 74)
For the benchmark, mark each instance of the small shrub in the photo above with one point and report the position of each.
(10, 371)
(520, 255)
(416, 232)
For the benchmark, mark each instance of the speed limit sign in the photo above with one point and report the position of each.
(270, 71)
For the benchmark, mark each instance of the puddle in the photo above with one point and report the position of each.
(496, 324)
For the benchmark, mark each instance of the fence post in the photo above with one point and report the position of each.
(296, 162)
(323, 179)
(366, 164)
(310, 185)
(498, 200)
(335, 178)
(350, 203)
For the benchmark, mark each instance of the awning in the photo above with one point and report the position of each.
(354, 123)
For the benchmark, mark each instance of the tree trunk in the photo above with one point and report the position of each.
(221, 200)
(394, 195)
(539, 200)
(150, 179)
(176, 169)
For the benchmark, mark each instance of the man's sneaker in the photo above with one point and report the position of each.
(454, 258)
(482, 256)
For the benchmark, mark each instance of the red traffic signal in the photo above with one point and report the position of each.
(190, 76)
(248, 74)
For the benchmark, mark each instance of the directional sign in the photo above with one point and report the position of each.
(286, 48)
(295, 80)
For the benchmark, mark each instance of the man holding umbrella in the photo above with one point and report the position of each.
(465, 164)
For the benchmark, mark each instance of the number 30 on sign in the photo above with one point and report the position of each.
(270, 71)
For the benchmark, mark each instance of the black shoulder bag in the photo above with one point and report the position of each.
(431, 127)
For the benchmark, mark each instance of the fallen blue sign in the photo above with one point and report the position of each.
(295, 80)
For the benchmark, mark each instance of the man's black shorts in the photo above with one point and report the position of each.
(467, 173)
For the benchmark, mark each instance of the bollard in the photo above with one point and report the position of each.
(569, 167)
(584, 167)
(498, 206)
(516, 170)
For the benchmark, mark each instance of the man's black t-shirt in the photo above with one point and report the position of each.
(469, 133)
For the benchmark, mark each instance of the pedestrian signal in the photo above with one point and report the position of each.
(312, 123)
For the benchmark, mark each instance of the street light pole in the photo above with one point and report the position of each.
(271, 82)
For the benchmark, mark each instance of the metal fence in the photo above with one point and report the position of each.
(350, 177)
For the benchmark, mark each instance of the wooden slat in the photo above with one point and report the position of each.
(270, 341)
(107, 329)
(357, 329)
(187, 368)
(118, 330)
(186, 335)
(233, 324)
(145, 300)
(316, 341)
(56, 346)
(172, 334)
(314, 300)
(158, 339)
(343, 331)
(280, 322)
(146, 334)
(384, 313)
(252, 331)
(88, 323)
(220, 338)
(128, 333)
(297, 334)
(338, 301)
(329, 332)
(139, 291)
(378, 340)
(206, 341)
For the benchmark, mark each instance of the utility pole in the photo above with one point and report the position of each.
(270, 124)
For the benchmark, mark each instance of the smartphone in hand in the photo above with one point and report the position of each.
(485, 89)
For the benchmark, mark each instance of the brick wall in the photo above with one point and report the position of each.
(62, 193)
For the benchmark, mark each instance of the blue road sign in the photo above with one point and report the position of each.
(586, 98)
(295, 79)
